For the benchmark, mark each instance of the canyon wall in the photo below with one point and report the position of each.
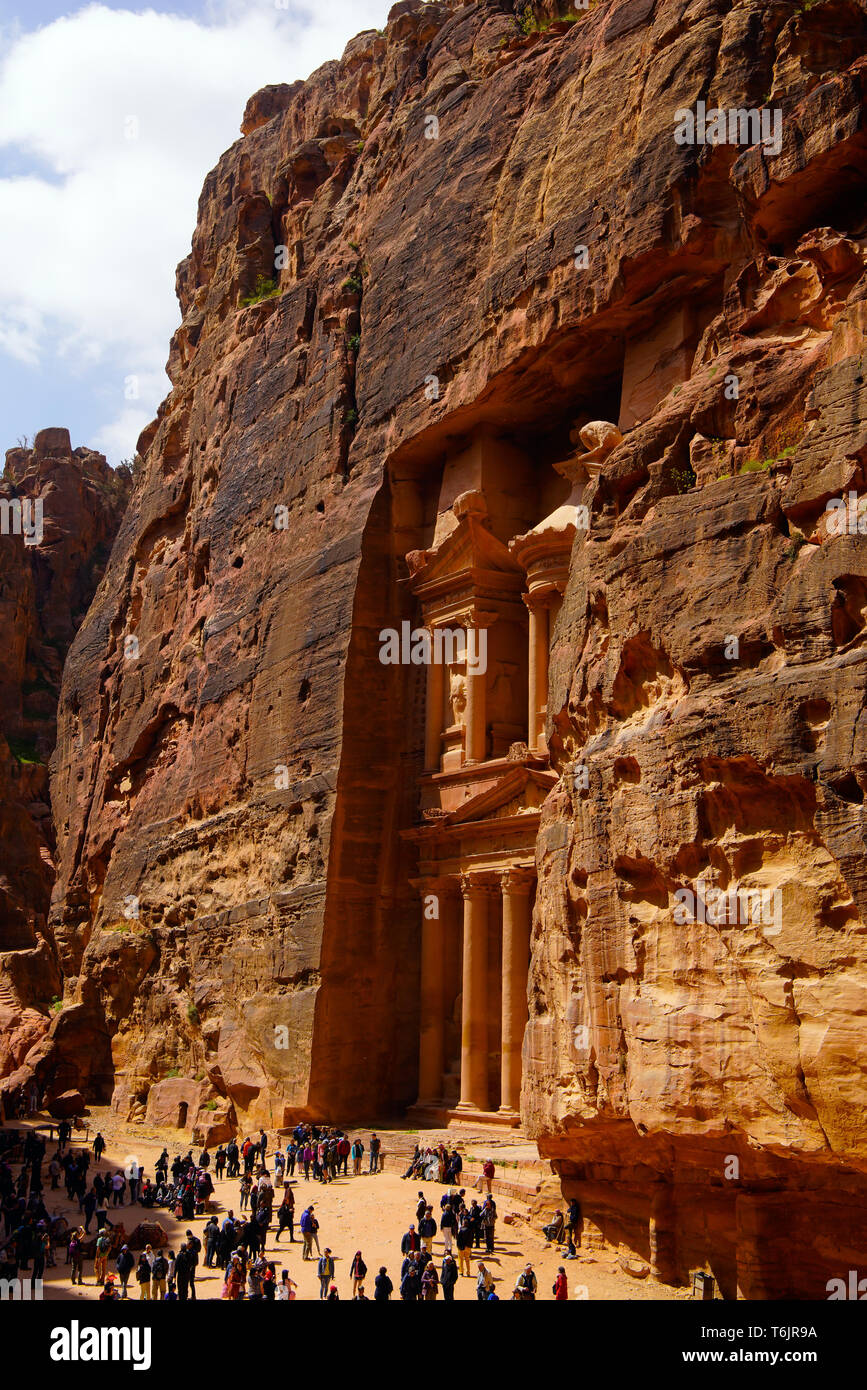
(471, 224)
(51, 562)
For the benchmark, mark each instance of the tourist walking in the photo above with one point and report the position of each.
(76, 1256)
(382, 1286)
(286, 1215)
(448, 1278)
(124, 1265)
(357, 1270)
(427, 1229)
(410, 1285)
(448, 1226)
(309, 1233)
(488, 1222)
(484, 1282)
(561, 1287)
(212, 1242)
(159, 1274)
(100, 1262)
(464, 1242)
(325, 1270)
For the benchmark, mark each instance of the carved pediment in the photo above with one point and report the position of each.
(517, 792)
(471, 551)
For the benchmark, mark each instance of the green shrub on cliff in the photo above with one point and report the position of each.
(529, 24)
(24, 750)
(265, 289)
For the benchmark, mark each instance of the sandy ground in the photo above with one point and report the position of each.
(369, 1212)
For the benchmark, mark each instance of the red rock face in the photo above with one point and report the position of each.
(369, 289)
(49, 571)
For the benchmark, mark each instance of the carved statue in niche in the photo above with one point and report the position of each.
(501, 699)
(458, 693)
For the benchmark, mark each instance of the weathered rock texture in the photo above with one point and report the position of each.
(47, 579)
(246, 775)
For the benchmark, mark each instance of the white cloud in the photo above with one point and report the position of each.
(91, 245)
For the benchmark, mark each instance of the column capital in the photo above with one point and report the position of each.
(518, 878)
(482, 884)
(475, 617)
(538, 600)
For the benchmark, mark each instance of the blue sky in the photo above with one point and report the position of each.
(110, 117)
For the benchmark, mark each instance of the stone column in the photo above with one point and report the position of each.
(431, 1058)
(516, 887)
(433, 714)
(663, 1234)
(538, 674)
(476, 713)
(474, 1014)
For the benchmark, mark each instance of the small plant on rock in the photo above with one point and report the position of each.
(265, 289)
(683, 478)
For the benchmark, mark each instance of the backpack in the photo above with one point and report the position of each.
(160, 1267)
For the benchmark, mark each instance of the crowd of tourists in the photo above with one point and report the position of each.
(235, 1243)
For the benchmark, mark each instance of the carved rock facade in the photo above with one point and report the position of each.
(486, 332)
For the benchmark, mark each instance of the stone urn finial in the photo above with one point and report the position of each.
(470, 503)
(599, 437)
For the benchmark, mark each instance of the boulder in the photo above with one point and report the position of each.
(63, 1107)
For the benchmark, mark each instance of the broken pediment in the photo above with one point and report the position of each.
(469, 553)
(520, 790)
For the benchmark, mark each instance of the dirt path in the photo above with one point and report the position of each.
(368, 1212)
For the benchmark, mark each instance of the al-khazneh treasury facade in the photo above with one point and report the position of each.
(496, 572)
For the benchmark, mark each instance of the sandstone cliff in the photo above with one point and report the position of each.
(49, 572)
(368, 288)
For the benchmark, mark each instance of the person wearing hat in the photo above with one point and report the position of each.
(124, 1264)
(427, 1229)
